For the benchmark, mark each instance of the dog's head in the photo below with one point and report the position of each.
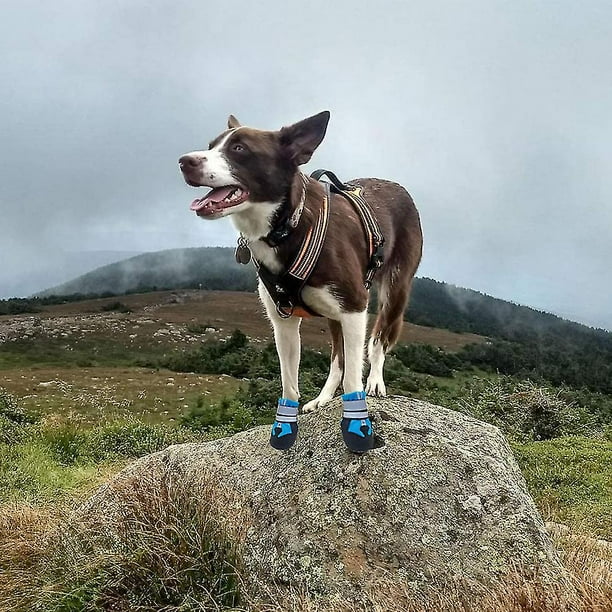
(245, 166)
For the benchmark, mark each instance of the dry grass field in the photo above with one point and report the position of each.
(227, 310)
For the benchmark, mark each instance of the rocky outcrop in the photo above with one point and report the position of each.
(439, 500)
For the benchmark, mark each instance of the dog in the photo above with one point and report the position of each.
(256, 180)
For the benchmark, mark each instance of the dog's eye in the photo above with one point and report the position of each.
(237, 147)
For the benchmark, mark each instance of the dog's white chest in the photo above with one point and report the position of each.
(266, 255)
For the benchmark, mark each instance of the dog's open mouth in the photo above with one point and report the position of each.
(219, 199)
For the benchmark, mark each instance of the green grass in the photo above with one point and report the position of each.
(49, 461)
(94, 350)
(570, 479)
(31, 472)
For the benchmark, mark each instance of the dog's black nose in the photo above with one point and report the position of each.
(189, 161)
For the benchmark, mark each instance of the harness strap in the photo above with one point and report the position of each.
(333, 179)
(374, 237)
(312, 246)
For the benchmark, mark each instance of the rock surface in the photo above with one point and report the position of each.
(440, 499)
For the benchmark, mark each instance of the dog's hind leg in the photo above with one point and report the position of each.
(393, 293)
(336, 368)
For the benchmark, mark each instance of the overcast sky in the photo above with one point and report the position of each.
(496, 115)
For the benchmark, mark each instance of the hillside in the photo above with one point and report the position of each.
(194, 268)
(527, 342)
(52, 269)
(88, 385)
(433, 303)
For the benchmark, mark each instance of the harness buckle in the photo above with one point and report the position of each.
(281, 313)
(378, 257)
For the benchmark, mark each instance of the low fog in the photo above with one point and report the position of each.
(497, 117)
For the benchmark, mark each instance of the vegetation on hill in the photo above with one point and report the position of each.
(204, 268)
(525, 342)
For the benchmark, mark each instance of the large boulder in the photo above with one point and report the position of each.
(439, 501)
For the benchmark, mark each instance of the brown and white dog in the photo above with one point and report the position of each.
(255, 178)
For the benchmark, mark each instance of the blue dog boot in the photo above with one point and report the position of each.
(356, 425)
(285, 427)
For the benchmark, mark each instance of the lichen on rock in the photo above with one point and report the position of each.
(440, 500)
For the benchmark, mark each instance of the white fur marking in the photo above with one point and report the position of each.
(253, 223)
(216, 171)
(323, 301)
(216, 167)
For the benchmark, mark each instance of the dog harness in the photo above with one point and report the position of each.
(286, 288)
(375, 239)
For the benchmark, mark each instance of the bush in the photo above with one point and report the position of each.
(11, 411)
(234, 357)
(65, 442)
(428, 359)
(524, 410)
(199, 328)
(68, 444)
(398, 378)
(127, 439)
(117, 307)
(11, 432)
(226, 418)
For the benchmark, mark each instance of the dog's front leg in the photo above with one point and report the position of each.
(354, 334)
(356, 425)
(287, 339)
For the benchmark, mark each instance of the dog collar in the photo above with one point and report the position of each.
(283, 227)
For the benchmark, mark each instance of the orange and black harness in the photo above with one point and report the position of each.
(285, 288)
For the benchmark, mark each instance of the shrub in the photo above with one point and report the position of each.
(199, 328)
(228, 416)
(427, 359)
(11, 411)
(116, 306)
(234, 357)
(398, 378)
(127, 439)
(11, 432)
(524, 410)
(65, 442)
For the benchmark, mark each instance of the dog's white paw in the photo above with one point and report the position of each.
(376, 386)
(317, 402)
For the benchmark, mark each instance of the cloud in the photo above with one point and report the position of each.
(495, 116)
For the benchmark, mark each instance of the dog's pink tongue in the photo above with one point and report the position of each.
(216, 195)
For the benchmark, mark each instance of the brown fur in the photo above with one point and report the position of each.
(344, 258)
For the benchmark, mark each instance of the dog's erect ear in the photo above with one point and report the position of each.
(300, 140)
(232, 122)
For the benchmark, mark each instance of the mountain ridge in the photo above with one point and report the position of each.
(214, 268)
